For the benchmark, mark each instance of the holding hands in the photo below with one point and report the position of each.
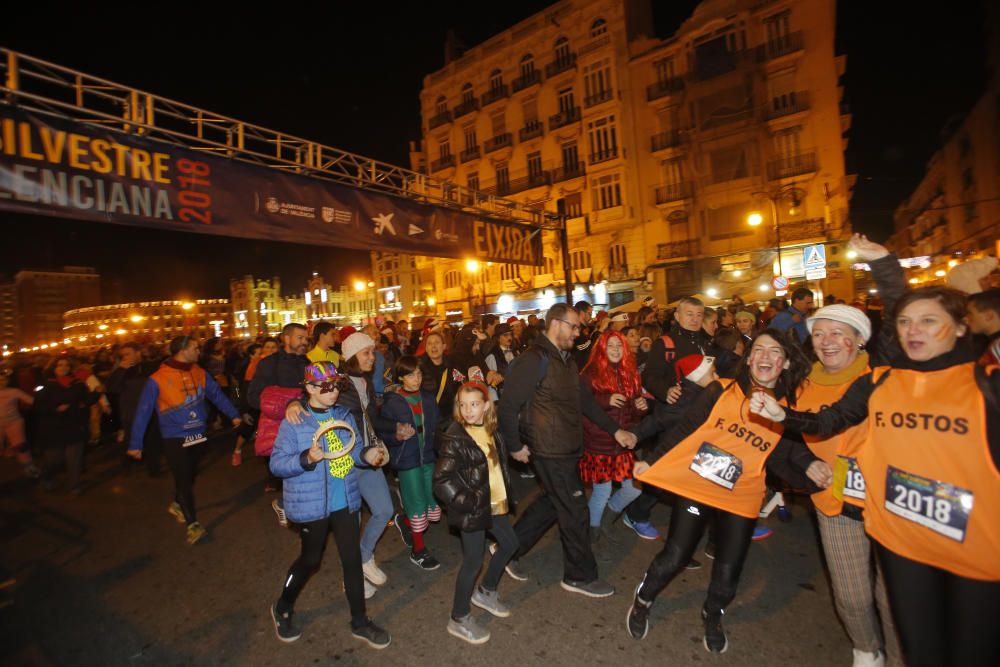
(763, 404)
(626, 439)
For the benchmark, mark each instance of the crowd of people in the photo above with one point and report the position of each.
(891, 430)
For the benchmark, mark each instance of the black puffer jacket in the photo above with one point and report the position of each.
(462, 478)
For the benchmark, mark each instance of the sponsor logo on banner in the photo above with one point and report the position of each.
(383, 222)
(340, 216)
(414, 230)
(272, 205)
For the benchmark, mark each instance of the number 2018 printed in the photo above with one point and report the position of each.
(196, 204)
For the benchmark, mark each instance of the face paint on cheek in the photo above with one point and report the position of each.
(944, 333)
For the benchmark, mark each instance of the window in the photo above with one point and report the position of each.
(598, 27)
(510, 272)
(444, 149)
(469, 131)
(496, 80)
(566, 101)
(579, 259)
(597, 81)
(727, 222)
(529, 107)
(498, 121)
(668, 118)
(453, 279)
(664, 70)
(572, 205)
(619, 259)
(570, 156)
(786, 143)
(534, 166)
(472, 180)
(562, 50)
(503, 177)
(467, 95)
(729, 163)
(968, 178)
(527, 65)
(442, 104)
(778, 31)
(550, 265)
(672, 174)
(603, 138)
(607, 191)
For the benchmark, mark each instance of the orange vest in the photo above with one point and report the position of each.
(839, 451)
(722, 463)
(933, 490)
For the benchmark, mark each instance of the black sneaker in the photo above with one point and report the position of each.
(512, 568)
(424, 560)
(375, 636)
(715, 635)
(404, 530)
(283, 626)
(637, 621)
(693, 565)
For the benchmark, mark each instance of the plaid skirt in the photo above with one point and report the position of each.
(598, 468)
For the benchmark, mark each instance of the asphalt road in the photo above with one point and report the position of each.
(107, 578)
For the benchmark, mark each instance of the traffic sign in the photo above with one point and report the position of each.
(779, 283)
(815, 274)
(814, 257)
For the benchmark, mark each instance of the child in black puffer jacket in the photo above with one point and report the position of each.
(471, 479)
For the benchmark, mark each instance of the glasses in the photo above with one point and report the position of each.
(337, 384)
(574, 327)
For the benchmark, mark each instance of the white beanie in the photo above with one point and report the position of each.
(356, 342)
(846, 314)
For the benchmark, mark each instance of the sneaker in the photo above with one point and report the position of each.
(424, 560)
(374, 635)
(370, 590)
(468, 630)
(490, 601)
(237, 457)
(513, 567)
(693, 565)
(279, 509)
(404, 531)
(715, 635)
(643, 529)
(174, 510)
(195, 532)
(527, 473)
(761, 533)
(592, 589)
(283, 626)
(710, 550)
(637, 621)
(373, 572)
(866, 659)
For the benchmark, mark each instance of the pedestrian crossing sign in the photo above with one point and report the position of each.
(814, 257)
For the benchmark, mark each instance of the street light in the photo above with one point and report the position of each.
(789, 192)
(473, 267)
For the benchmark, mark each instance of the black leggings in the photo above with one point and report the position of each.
(941, 618)
(473, 546)
(687, 523)
(183, 462)
(346, 528)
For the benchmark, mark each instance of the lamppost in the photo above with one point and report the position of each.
(794, 195)
(474, 267)
(360, 286)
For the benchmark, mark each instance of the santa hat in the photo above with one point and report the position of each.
(619, 317)
(601, 315)
(511, 320)
(693, 367)
(345, 332)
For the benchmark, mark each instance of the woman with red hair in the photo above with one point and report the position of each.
(613, 378)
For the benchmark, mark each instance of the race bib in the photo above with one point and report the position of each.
(717, 466)
(195, 439)
(942, 507)
(847, 479)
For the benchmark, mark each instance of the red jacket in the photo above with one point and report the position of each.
(598, 441)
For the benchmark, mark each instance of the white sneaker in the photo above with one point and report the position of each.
(373, 572)
(866, 659)
(370, 590)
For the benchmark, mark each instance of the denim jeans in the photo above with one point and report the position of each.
(375, 492)
(599, 499)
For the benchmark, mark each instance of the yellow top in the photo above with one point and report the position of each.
(498, 492)
(317, 354)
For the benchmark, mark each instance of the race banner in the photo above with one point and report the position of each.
(66, 169)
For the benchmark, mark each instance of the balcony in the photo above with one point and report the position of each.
(439, 119)
(564, 118)
(534, 180)
(598, 97)
(466, 107)
(526, 80)
(560, 65)
(498, 142)
(791, 165)
(443, 162)
(671, 192)
(665, 140)
(566, 172)
(798, 231)
(493, 94)
(618, 272)
(531, 130)
(663, 88)
(796, 102)
(781, 46)
(603, 156)
(677, 249)
(470, 153)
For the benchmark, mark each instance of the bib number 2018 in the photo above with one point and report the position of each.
(717, 466)
(939, 506)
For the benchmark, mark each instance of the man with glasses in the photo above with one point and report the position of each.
(177, 390)
(540, 415)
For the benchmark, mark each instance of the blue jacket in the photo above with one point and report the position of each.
(310, 491)
(790, 318)
(408, 454)
(178, 394)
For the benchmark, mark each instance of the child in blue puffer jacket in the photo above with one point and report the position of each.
(322, 496)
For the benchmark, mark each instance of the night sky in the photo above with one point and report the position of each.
(349, 75)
